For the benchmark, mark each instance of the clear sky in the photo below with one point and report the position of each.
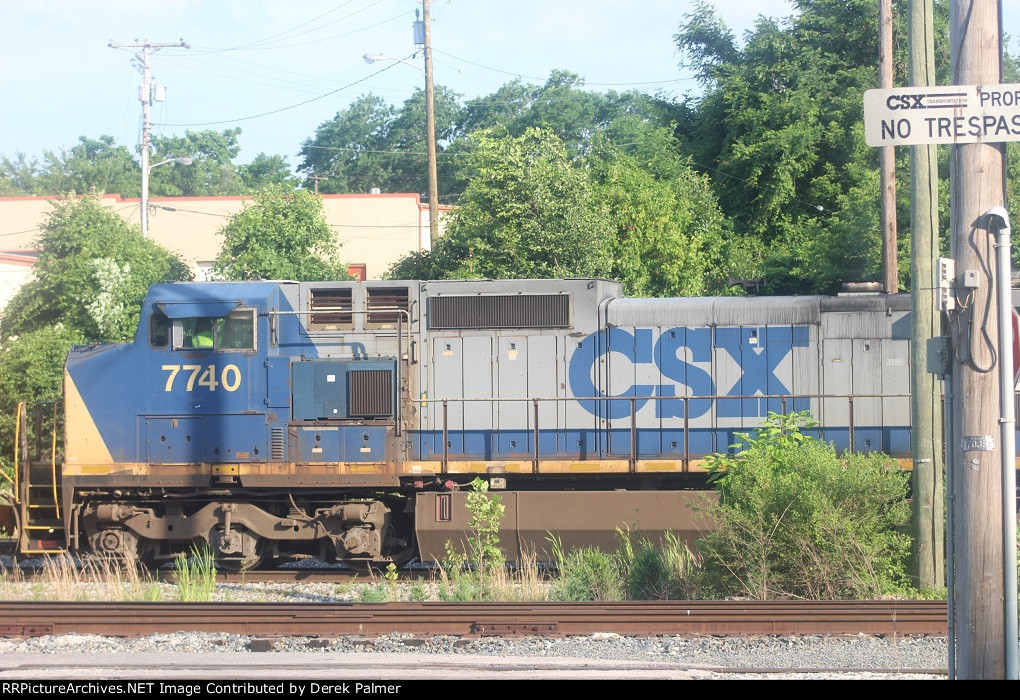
(252, 63)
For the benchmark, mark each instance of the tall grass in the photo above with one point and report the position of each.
(195, 576)
(521, 582)
(95, 577)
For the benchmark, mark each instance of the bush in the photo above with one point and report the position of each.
(668, 571)
(797, 520)
(586, 574)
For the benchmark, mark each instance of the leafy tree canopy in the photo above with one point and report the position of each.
(373, 144)
(267, 171)
(211, 173)
(93, 165)
(32, 370)
(91, 275)
(528, 211)
(668, 232)
(280, 236)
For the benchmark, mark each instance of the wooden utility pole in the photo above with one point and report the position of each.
(977, 184)
(430, 129)
(890, 264)
(928, 480)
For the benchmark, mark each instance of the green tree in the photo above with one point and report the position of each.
(668, 230)
(346, 149)
(373, 144)
(280, 236)
(267, 171)
(529, 211)
(212, 171)
(779, 128)
(31, 370)
(91, 275)
(19, 176)
(93, 165)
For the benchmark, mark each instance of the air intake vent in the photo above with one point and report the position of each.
(277, 444)
(502, 311)
(385, 298)
(337, 301)
(370, 393)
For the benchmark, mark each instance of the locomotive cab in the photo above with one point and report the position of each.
(239, 419)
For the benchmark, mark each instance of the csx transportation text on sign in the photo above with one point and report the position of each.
(950, 114)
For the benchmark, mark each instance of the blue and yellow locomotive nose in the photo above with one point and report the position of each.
(181, 394)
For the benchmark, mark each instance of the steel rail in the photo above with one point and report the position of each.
(902, 618)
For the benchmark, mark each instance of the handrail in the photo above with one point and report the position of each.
(53, 464)
(17, 441)
(633, 456)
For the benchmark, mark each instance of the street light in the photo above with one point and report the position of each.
(146, 169)
(373, 57)
(430, 128)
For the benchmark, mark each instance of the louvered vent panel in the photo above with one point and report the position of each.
(370, 393)
(385, 298)
(500, 311)
(277, 444)
(336, 300)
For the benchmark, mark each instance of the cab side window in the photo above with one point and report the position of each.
(236, 331)
(232, 333)
(159, 329)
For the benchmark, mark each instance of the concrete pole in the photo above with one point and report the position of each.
(890, 264)
(925, 406)
(145, 96)
(977, 186)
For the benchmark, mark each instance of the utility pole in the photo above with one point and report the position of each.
(430, 129)
(927, 477)
(890, 265)
(315, 179)
(145, 97)
(977, 180)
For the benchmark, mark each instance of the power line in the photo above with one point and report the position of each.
(288, 31)
(312, 41)
(284, 109)
(585, 82)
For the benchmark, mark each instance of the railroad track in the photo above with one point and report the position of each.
(727, 618)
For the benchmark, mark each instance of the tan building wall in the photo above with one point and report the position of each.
(15, 270)
(374, 230)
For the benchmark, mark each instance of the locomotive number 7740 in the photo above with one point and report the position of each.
(229, 377)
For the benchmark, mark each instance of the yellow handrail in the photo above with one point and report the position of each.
(53, 463)
(17, 440)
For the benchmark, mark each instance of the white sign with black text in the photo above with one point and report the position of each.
(950, 114)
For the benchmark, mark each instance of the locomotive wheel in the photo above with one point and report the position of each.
(121, 546)
(240, 551)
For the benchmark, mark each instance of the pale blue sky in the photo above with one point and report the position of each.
(59, 80)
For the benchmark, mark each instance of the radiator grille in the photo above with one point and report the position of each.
(385, 298)
(277, 444)
(338, 301)
(499, 311)
(370, 393)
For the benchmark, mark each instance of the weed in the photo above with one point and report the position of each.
(586, 574)
(374, 594)
(418, 593)
(195, 575)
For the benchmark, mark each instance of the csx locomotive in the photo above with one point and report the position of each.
(345, 420)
